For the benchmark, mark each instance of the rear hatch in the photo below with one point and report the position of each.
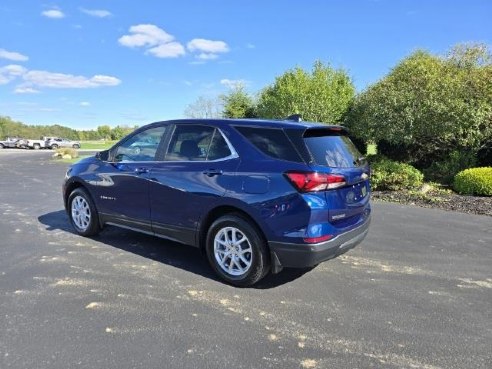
(332, 153)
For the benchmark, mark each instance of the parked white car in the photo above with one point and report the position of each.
(49, 142)
(55, 143)
(36, 144)
(13, 142)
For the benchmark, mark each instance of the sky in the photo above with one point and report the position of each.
(85, 63)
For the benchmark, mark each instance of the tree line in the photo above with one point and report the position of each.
(11, 128)
(431, 111)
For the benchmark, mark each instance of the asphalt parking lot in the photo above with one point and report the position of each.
(417, 293)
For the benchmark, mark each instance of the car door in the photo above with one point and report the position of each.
(122, 189)
(193, 174)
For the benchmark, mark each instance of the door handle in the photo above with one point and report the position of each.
(141, 170)
(212, 172)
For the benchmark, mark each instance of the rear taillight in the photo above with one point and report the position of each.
(314, 181)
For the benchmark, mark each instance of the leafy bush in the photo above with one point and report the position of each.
(429, 106)
(391, 175)
(394, 151)
(445, 169)
(474, 181)
(320, 95)
(484, 155)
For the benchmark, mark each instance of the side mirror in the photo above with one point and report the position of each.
(103, 155)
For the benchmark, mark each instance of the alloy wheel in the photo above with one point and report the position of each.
(233, 251)
(81, 213)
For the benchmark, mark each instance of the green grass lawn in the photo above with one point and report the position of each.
(96, 145)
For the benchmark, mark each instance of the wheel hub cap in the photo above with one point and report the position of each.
(233, 251)
(81, 213)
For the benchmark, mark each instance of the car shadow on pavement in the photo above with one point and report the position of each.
(163, 251)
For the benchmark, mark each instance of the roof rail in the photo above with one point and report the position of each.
(294, 118)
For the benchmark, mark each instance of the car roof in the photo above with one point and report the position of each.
(271, 123)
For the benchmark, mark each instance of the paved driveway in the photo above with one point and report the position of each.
(416, 294)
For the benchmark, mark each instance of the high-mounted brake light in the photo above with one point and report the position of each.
(314, 181)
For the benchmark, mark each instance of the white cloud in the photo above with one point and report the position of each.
(53, 13)
(99, 13)
(145, 35)
(234, 83)
(85, 103)
(35, 79)
(12, 55)
(250, 46)
(161, 44)
(59, 80)
(158, 42)
(10, 72)
(205, 56)
(207, 46)
(207, 49)
(169, 50)
(25, 90)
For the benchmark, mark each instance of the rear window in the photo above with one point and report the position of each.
(334, 151)
(271, 141)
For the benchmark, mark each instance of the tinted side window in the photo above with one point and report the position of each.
(334, 151)
(190, 143)
(218, 148)
(271, 141)
(140, 147)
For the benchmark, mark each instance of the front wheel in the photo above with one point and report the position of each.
(54, 147)
(82, 213)
(237, 251)
(75, 146)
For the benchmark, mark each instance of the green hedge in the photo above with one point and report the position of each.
(392, 175)
(474, 181)
(444, 169)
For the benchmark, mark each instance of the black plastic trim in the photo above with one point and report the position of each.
(294, 255)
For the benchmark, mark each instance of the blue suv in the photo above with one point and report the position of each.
(254, 195)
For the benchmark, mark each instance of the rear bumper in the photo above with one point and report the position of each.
(308, 255)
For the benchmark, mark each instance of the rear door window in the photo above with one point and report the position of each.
(271, 141)
(333, 150)
(197, 143)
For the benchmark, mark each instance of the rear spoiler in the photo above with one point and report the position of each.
(325, 131)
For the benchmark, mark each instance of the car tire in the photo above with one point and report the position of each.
(54, 147)
(36, 146)
(1, 146)
(83, 213)
(237, 251)
(75, 146)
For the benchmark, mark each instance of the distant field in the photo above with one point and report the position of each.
(96, 145)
